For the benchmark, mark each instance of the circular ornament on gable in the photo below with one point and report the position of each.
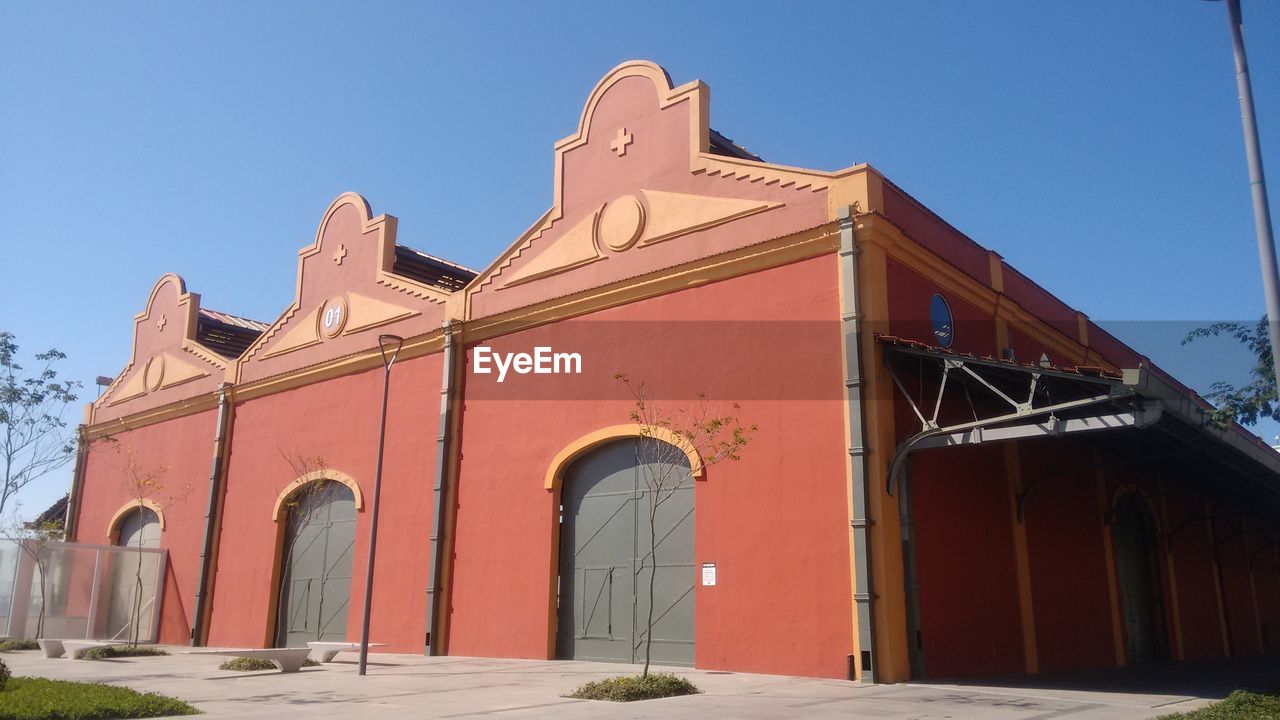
(333, 316)
(621, 223)
(943, 324)
(153, 373)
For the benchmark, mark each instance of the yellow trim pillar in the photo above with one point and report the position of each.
(1171, 570)
(1013, 477)
(887, 569)
(1253, 586)
(1223, 627)
(1108, 551)
(1022, 560)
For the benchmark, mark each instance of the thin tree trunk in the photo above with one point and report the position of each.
(137, 598)
(40, 616)
(653, 574)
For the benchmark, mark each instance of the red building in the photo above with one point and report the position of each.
(954, 473)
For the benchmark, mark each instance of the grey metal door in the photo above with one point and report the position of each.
(1140, 596)
(605, 563)
(133, 577)
(315, 586)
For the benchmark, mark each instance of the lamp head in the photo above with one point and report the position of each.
(389, 346)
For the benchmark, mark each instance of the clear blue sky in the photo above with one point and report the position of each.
(1096, 145)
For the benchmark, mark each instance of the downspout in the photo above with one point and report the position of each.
(863, 593)
(71, 521)
(212, 520)
(443, 441)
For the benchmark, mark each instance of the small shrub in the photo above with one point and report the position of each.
(118, 651)
(29, 698)
(251, 664)
(18, 644)
(628, 688)
(4, 674)
(1239, 705)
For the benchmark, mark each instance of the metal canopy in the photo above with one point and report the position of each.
(1017, 401)
(1011, 401)
(966, 400)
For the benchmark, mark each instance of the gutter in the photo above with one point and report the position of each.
(860, 483)
(212, 520)
(1179, 405)
(443, 449)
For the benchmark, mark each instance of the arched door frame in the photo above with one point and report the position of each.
(1154, 522)
(553, 482)
(278, 513)
(113, 527)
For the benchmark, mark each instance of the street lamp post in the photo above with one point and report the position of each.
(389, 346)
(1257, 186)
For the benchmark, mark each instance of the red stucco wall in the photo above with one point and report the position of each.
(910, 296)
(183, 448)
(1233, 556)
(1267, 575)
(336, 420)
(775, 523)
(1068, 567)
(965, 563)
(1197, 598)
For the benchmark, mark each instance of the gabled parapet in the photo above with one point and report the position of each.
(640, 187)
(353, 283)
(168, 362)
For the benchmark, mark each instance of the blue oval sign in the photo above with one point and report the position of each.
(940, 317)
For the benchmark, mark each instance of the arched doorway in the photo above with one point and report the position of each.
(139, 528)
(131, 603)
(605, 563)
(315, 578)
(1141, 600)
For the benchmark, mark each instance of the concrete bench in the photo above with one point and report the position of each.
(58, 648)
(51, 648)
(287, 659)
(78, 648)
(327, 651)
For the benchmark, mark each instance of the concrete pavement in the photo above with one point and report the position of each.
(412, 686)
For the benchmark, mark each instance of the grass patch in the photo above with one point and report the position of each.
(1239, 705)
(250, 664)
(18, 644)
(629, 688)
(119, 651)
(26, 698)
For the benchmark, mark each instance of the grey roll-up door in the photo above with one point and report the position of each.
(315, 586)
(605, 566)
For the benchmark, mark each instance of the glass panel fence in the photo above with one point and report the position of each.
(78, 591)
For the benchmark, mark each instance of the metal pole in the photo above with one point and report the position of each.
(1257, 184)
(386, 343)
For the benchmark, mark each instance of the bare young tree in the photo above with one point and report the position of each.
(711, 433)
(146, 488)
(302, 508)
(34, 439)
(33, 539)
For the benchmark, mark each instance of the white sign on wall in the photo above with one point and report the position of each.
(708, 574)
